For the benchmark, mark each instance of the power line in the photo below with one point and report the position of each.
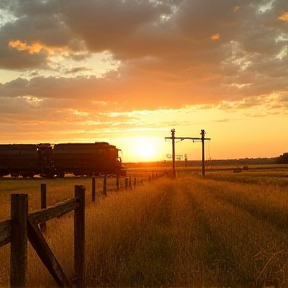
(202, 139)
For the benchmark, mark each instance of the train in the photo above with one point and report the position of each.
(57, 160)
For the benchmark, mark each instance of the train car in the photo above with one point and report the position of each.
(46, 160)
(25, 160)
(87, 159)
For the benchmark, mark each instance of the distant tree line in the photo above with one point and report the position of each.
(282, 159)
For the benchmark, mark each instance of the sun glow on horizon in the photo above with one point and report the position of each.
(145, 148)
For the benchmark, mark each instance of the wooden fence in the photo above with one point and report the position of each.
(23, 227)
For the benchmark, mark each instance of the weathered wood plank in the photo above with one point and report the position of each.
(43, 225)
(45, 254)
(79, 237)
(5, 232)
(93, 189)
(54, 211)
(18, 255)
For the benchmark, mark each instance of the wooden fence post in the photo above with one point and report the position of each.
(18, 256)
(105, 186)
(117, 182)
(93, 189)
(43, 226)
(79, 237)
(135, 182)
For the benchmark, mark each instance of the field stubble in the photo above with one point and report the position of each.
(221, 231)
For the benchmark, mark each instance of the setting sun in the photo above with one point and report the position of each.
(145, 148)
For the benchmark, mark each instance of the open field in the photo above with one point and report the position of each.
(57, 190)
(225, 230)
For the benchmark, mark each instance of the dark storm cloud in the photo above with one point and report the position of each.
(45, 30)
(13, 60)
(112, 25)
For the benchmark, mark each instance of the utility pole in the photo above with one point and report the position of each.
(173, 151)
(203, 151)
(202, 139)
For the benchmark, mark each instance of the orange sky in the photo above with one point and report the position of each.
(127, 72)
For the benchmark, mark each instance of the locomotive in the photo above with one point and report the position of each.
(47, 160)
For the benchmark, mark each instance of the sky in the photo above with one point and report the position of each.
(128, 71)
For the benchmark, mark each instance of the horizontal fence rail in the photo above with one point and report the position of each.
(5, 232)
(23, 227)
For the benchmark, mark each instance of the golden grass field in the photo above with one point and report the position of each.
(225, 230)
